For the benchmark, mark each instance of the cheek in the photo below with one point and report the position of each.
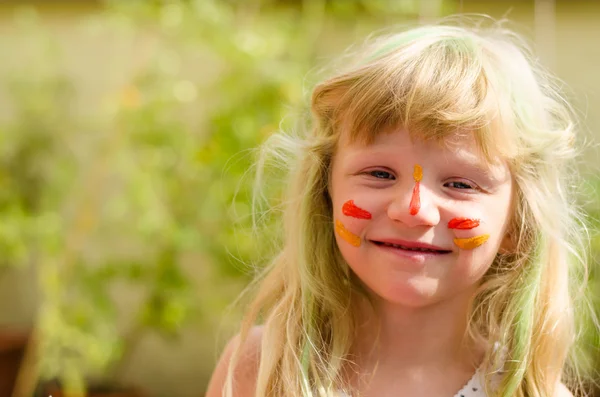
(350, 220)
(349, 230)
(478, 238)
(475, 228)
(346, 234)
(472, 264)
(468, 231)
(352, 254)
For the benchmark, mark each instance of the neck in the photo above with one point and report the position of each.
(426, 337)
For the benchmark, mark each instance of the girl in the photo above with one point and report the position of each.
(430, 234)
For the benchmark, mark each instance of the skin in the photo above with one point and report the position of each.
(425, 296)
(457, 184)
(246, 371)
(343, 233)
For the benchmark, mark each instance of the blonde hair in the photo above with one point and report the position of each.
(436, 81)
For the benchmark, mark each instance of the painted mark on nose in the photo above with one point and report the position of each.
(346, 234)
(472, 242)
(463, 223)
(350, 209)
(415, 201)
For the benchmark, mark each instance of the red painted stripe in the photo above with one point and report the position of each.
(350, 209)
(463, 223)
(415, 201)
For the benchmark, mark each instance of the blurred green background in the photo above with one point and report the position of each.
(127, 131)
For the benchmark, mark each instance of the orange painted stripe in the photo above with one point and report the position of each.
(346, 234)
(472, 242)
(418, 173)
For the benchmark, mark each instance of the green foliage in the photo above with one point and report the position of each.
(591, 336)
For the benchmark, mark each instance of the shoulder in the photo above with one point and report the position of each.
(246, 370)
(562, 391)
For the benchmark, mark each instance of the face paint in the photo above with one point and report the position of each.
(463, 223)
(350, 209)
(415, 201)
(347, 235)
(472, 242)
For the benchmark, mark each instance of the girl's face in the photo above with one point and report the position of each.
(418, 222)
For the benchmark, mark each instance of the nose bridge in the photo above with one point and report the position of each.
(427, 198)
(400, 209)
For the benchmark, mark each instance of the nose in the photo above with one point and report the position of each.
(399, 208)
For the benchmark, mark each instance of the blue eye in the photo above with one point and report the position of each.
(458, 185)
(379, 174)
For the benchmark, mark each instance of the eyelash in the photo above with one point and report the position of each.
(372, 173)
(390, 176)
(468, 186)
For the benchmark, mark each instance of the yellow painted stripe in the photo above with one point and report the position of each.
(418, 173)
(470, 243)
(346, 234)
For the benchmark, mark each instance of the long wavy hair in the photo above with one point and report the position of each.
(436, 81)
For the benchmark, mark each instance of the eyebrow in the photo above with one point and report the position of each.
(363, 154)
(466, 159)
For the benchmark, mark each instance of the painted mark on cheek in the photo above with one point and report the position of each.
(346, 234)
(350, 209)
(463, 223)
(472, 242)
(415, 201)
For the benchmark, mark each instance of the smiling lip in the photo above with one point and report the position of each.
(411, 246)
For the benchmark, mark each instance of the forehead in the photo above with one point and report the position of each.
(398, 137)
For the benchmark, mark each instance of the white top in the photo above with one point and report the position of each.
(473, 388)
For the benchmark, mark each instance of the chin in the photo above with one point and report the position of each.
(410, 295)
